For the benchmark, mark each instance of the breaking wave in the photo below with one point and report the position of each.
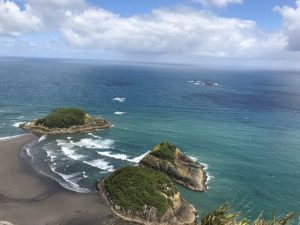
(99, 143)
(11, 137)
(42, 138)
(50, 154)
(67, 149)
(195, 159)
(17, 124)
(70, 181)
(119, 113)
(115, 156)
(138, 158)
(100, 164)
(118, 99)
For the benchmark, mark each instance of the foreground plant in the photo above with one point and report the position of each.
(285, 220)
(225, 216)
(220, 216)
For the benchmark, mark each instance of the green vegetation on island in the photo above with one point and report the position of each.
(63, 118)
(133, 188)
(145, 194)
(66, 121)
(164, 150)
(167, 158)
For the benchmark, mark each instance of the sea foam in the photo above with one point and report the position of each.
(50, 154)
(99, 143)
(42, 138)
(195, 159)
(100, 164)
(118, 99)
(67, 146)
(95, 136)
(67, 149)
(209, 177)
(119, 113)
(11, 137)
(17, 124)
(115, 156)
(70, 181)
(84, 174)
(138, 158)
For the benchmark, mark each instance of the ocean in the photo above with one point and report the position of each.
(243, 125)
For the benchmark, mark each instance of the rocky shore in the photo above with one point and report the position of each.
(177, 165)
(91, 125)
(66, 121)
(179, 213)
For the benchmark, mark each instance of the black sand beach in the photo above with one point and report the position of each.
(28, 198)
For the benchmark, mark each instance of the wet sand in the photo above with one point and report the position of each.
(28, 198)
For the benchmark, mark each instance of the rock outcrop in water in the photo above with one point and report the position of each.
(145, 196)
(169, 159)
(66, 121)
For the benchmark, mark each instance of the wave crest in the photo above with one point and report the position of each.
(42, 138)
(100, 164)
(67, 149)
(119, 113)
(138, 158)
(17, 124)
(99, 143)
(115, 156)
(118, 99)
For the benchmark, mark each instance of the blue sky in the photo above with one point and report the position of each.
(259, 10)
(182, 31)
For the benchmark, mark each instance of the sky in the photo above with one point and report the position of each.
(204, 32)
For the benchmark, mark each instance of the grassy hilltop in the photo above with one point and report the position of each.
(134, 187)
(63, 118)
(66, 121)
(165, 150)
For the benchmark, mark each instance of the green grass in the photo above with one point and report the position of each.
(134, 187)
(225, 216)
(63, 118)
(164, 150)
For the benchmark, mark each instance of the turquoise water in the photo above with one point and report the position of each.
(246, 129)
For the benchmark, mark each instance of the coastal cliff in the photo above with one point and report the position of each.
(145, 196)
(169, 159)
(66, 121)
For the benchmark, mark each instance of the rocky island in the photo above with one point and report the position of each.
(66, 121)
(167, 158)
(145, 196)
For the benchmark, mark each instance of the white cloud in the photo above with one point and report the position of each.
(69, 4)
(54, 12)
(169, 31)
(218, 3)
(14, 21)
(37, 15)
(180, 33)
(291, 19)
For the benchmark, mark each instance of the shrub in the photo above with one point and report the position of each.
(63, 118)
(225, 216)
(133, 188)
(165, 150)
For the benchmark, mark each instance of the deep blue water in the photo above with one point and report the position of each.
(247, 129)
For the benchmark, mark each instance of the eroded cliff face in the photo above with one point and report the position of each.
(91, 124)
(180, 169)
(182, 213)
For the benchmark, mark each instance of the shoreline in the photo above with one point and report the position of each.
(27, 197)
